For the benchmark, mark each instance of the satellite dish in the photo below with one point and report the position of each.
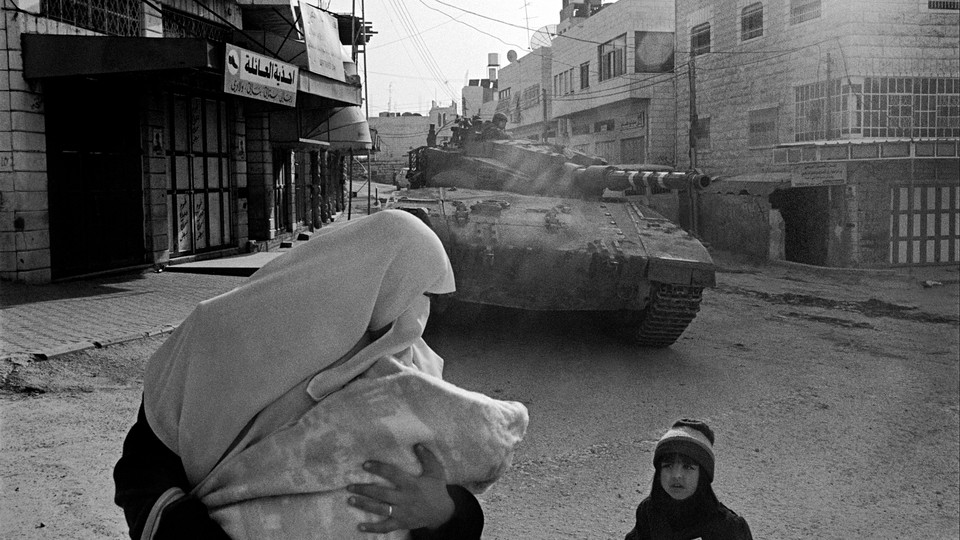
(511, 56)
(543, 37)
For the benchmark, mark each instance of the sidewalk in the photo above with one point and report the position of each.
(42, 321)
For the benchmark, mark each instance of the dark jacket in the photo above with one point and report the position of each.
(701, 516)
(147, 469)
(724, 525)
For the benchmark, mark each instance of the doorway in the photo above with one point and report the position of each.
(199, 206)
(806, 219)
(95, 176)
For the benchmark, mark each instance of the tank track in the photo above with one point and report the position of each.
(667, 315)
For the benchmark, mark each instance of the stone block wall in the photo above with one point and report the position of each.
(738, 223)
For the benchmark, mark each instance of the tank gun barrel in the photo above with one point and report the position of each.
(599, 177)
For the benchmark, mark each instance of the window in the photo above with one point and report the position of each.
(111, 17)
(751, 22)
(943, 4)
(879, 107)
(531, 97)
(700, 39)
(612, 57)
(585, 75)
(504, 94)
(653, 52)
(762, 130)
(804, 10)
(563, 83)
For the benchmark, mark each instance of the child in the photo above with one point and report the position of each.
(681, 504)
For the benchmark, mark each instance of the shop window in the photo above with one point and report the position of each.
(762, 129)
(751, 22)
(804, 10)
(612, 57)
(700, 39)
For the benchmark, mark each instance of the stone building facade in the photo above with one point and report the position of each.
(612, 89)
(851, 109)
(120, 146)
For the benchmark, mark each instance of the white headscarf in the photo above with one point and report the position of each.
(297, 316)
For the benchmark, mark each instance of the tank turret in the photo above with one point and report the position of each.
(534, 226)
(540, 169)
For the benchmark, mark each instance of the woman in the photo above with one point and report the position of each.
(681, 504)
(309, 382)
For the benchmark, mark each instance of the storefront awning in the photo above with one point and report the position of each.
(344, 128)
(48, 55)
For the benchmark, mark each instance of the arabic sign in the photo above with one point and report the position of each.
(819, 174)
(322, 37)
(255, 76)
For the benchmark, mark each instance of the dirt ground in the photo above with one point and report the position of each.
(835, 396)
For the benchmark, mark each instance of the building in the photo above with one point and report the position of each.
(835, 123)
(612, 86)
(523, 94)
(479, 97)
(138, 134)
(398, 133)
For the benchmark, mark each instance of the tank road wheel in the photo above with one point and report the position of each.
(667, 315)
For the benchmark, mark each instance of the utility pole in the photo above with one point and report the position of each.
(692, 73)
(694, 121)
(545, 119)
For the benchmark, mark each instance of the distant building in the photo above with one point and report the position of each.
(398, 133)
(836, 122)
(523, 88)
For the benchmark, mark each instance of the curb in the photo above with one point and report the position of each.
(22, 358)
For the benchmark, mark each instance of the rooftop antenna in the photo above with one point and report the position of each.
(390, 97)
(526, 15)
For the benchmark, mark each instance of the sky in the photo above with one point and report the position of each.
(426, 50)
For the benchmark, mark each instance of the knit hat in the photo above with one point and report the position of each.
(690, 438)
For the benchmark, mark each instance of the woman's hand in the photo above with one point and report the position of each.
(412, 503)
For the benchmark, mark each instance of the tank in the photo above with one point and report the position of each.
(540, 227)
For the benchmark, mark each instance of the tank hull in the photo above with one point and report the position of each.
(558, 254)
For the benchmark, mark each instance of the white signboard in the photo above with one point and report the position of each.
(256, 76)
(322, 36)
(819, 174)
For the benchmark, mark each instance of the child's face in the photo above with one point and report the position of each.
(679, 476)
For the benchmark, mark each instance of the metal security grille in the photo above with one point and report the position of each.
(878, 107)
(199, 207)
(700, 39)
(180, 24)
(924, 225)
(111, 17)
(943, 4)
(751, 22)
(804, 10)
